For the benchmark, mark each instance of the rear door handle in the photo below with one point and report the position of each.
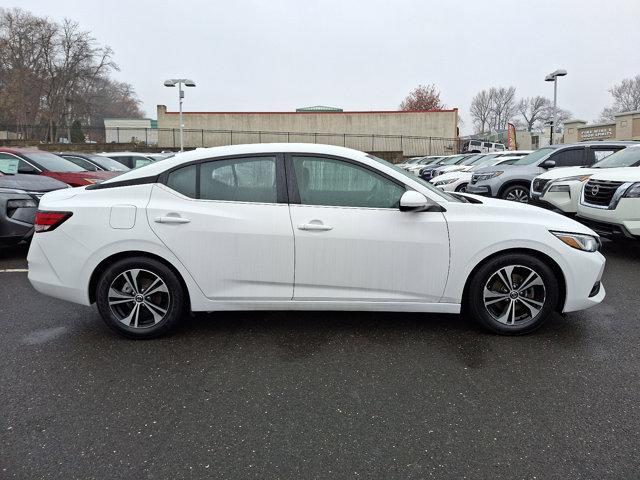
(171, 220)
(314, 226)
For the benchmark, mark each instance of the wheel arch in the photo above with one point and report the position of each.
(102, 266)
(562, 282)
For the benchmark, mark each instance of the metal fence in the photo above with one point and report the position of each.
(406, 145)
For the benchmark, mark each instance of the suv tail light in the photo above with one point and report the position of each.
(47, 221)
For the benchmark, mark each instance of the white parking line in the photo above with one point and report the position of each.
(14, 270)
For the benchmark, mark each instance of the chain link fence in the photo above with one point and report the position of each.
(169, 138)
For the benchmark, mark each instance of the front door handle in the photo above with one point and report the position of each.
(314, 226)
(171, 220)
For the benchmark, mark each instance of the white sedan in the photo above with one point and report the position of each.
(304, 227)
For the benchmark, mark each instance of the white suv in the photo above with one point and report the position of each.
(561, 187)
(610, 202)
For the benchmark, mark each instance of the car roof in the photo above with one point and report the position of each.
(157, 168)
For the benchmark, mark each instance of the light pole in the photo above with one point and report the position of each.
(553, 77)
(172, 82)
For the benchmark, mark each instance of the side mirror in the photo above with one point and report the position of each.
(412, 201)
(548, 164)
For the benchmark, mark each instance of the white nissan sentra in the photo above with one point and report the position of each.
(304, 227)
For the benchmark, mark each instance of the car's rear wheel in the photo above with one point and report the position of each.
(516, 193)
(462, 188)
(513, 294)
(140, 298)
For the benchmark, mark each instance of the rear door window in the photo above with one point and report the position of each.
(248, 179)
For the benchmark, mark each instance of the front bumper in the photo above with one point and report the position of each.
(624, 219)
(477, 189)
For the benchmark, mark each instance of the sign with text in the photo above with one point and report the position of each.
(9, 166)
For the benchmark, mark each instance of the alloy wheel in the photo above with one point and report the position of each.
(518, 195)
(139, 298)
(514, 295)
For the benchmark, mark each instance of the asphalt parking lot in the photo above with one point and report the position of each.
(319, 395)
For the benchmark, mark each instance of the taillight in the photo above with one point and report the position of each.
(47, 221)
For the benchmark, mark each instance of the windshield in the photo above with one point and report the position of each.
(108, 163)
(472, 159)
(534, 156)
(404, 173)
(628, 157)
(52, 163)
(452, 160)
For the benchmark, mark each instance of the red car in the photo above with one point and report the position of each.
(38, 162)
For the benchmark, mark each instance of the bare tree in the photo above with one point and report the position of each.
(503, 107)
(626, 98)
(423, 97)
(481, 110)
(533, 110)
(49, 71)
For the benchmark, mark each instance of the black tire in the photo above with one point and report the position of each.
(170, 306)
(462, 187)
(526, 302)
(516, 193)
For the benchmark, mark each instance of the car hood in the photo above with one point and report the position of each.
(503, 210)
(448, 175)
(563, 172)
(512, 169)
(626, 174)
(30, 183)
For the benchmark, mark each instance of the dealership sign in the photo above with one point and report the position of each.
(597, 133)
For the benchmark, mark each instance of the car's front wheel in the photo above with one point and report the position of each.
(513, 294)
(140, 298)
(516, 193)
(462, 188)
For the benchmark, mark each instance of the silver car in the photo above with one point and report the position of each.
(513, 182)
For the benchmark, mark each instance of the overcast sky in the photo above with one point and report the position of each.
(276, 55)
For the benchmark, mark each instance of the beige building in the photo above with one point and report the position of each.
(625, 127)
(411, 133)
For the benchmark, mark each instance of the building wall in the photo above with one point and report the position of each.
(361, 130)
(625, 127)
(130, 130)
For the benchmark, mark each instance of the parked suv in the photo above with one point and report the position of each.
(610, 202)
(561, 188)
(513, 182)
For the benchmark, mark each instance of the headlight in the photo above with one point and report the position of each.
(579, 241)
(633, 191)
(90, 180)
(488, 176)
(445, 182)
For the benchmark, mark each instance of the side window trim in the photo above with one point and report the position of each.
(281, 188)
(292, 181)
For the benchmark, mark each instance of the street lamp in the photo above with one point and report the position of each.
(553, 77)
(172, 82)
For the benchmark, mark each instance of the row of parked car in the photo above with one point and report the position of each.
(596, 182)
(27, 174)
